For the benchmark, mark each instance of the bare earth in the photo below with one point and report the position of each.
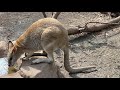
(100, 49)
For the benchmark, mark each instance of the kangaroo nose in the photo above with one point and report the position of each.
(9, 65)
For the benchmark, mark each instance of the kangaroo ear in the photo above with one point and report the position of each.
(14, 49)
(10, 45)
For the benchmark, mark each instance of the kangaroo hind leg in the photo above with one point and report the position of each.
(79, 70)
(50, 57)
(48, 49)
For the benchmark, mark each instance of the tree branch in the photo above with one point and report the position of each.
(44, 14)
(78, 29)
(55, 15)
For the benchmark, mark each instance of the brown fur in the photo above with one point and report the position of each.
(46, 34)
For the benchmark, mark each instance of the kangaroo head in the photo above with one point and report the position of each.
(12, 53)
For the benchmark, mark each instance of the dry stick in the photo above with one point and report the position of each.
(86, 29)
(56, 14)
(44, 14)
(78, 29)
(109, 23)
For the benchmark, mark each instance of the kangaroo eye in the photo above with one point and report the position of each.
(10, 58)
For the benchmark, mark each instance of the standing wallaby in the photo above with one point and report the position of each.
(46, 34)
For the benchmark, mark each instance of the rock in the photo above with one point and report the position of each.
(3, 66)
(3, 49)
(3, 44)
(42, 70)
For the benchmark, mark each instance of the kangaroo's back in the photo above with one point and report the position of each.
(32, 36)
(43, 23)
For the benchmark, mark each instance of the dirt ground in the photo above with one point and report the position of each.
(100, 49)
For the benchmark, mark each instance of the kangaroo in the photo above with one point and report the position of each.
(46, 34)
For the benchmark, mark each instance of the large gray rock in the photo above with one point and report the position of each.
(42, 70)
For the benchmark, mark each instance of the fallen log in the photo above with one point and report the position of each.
(77, 29)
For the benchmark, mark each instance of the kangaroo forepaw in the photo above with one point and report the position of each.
(25, 58)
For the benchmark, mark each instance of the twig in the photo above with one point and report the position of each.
(55, 15)
(44, 14)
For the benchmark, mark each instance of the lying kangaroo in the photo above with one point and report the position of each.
(46, 34)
